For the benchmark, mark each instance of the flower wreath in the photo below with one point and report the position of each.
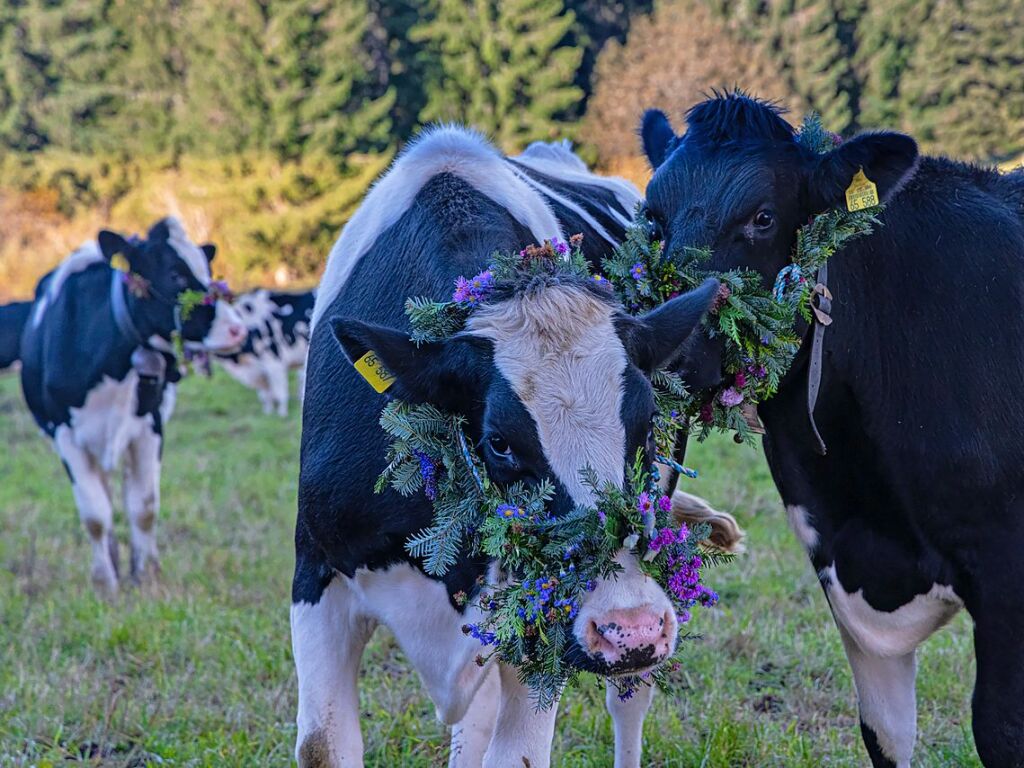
(548, 564)
(758, 325)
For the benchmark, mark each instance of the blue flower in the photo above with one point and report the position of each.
(510, 512)
(639, 271)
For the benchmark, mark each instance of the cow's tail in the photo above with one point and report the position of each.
(726, 534)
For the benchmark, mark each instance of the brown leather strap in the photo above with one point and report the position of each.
(821, 306)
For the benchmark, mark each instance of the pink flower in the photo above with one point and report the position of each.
(730, 397)
(665, 504)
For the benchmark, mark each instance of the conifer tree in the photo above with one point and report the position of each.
(503, 67)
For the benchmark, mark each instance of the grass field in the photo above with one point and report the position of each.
(196, 670)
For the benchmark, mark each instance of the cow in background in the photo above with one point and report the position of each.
(13, 317)
(278, 337)
(99, 372)
(550, 381)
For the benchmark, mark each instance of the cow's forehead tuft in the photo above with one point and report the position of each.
(559, 350)
(187, 251)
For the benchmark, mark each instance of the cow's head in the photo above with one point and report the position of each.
(171, 264)
(552, 380)
(739, 183)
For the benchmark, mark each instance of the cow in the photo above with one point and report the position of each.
(549, 381)
(913, 505)
(99, 371)
(278, 337)
(13, 317)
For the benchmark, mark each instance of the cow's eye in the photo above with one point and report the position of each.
(499, 446)
(764, 219)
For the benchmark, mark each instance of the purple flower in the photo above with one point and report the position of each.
(741, 380)
(644, 504)
(474, 290)
(475, 631)
(639, 271)
(510, 512)
(560, 248)
(730, 397)
(428, 471)
(665, 504)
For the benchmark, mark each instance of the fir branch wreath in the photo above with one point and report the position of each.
(548, 564)
(757, 324)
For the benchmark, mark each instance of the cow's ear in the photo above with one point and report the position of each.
(656, 338)
(887, 159)
(657, 136)
(111, 244)
(450, 374)
(210, 250)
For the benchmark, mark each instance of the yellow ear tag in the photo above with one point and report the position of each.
(119, 262)
(862, 193)
(372, 369)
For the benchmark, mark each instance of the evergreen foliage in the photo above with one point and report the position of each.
(502, 67)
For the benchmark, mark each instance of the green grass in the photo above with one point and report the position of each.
(196, 669)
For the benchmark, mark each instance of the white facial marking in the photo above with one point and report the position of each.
(799, 521)
(188, 251)
(558, 348)
(890, 633)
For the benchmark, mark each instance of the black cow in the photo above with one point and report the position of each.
(98, 373)
(13, 317)
(547, 386)
(278, 326)
(917, 508)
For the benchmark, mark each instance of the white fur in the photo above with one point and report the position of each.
(227, 333)
(579, 210)
(472, 735)
(441, 149)
(890, 633)
(188, 251)
(558, 159)
(628, 721)
(799, 521)
(86, 254)
(881, 646)
(558, 349)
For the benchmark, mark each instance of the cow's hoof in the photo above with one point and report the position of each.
(104, 581)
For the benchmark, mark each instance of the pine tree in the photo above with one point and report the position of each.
(503, 67)
(25, 78)
(963, 91)
(322, 95)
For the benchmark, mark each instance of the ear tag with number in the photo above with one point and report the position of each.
(372, 369)
(120, 262)
(862, 193)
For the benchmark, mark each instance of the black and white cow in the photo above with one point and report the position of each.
(13, 317)
(278, 327)
(917, 507)
(550, 380)
(98, 373)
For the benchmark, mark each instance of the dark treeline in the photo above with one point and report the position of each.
(262, 122)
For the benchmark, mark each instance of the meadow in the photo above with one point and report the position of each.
(195, 668)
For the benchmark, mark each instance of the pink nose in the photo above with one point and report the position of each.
(236, 332)
(630, 639)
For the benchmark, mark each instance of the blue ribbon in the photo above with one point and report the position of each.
(791, 273)
(468, 458)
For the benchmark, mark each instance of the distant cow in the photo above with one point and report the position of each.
(550, 381)
(98, 373)
(13, 317)
(278, 327)
(916, 508)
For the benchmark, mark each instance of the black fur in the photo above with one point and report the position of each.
(13, 317)
(924, 477)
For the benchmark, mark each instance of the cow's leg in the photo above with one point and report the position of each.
(522, 734)
(998, 703)
(887, 698)
(472, 734)
(142, 500)
(328, 639)
(628, 720)
(92, 498)
(277, 377)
